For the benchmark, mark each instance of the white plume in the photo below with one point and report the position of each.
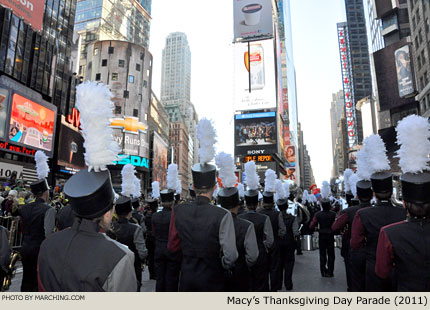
(305, 196)
(178, 186)
(172, 176)
(93, 100)
(280, 193)
(155, 189)
(128, 186)
(225, 163)
(215, 193)
(413, 133)
(313, 198)
(325, 190)
(207, 138)
(269, 182)
(136, 193)
(353, 184)
(260, 196)
(364, 170)
(42, 167)
(346, 175)
(241, 189)
(252, 178)
(286, 187)
(378, 160)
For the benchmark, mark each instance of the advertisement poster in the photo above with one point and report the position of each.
(31, 123)
(71, 148)
(4, 99)
(30, 10)
(404, 71)
(261, 67)
(255, 133)
(290, 156)
(252, 19)
(159, 162)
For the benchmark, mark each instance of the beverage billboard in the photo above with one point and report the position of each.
(31, 123)
(257, 69)
(252, 19)
(255, 133)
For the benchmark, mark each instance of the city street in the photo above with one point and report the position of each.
(306, 276)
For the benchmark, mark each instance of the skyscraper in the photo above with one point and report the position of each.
(176, 83)
(99, 20)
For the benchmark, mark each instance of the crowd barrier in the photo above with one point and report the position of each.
(14, 224)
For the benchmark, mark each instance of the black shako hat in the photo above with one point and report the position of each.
(177, 197)
(192, 192)
(123, 205)
(364, 190)
(228, 197)
(167, 195)
(282, 204)
(251, 197)
(39, 186)
(135, 203)
(268, 197)
(90, 193)
(382, 182)
(325, 204)
(416, 187)
(204, 176)
(152, 203)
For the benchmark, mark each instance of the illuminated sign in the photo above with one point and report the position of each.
(134, 160)
(348, 91)
(129, 124)
(17, 149)
(74, 119)
(260, 158)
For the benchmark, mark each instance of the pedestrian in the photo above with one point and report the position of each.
(269, 210)
(263, 230)
(238, 279)
(205, 233)
(368, 221)
(287, 243)
(149, 235)
(38, 222)
(83, 258)
(325, 220)
(403, 246)
(167, 265)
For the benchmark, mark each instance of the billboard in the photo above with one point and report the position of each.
(70, 147)
(252, 19)
(30, 10)
(4, 100)
(404, 72)
(261, 67)
(159, 161)
(255, 133)
(31, 123)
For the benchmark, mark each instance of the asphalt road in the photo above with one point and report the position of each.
(306, 276)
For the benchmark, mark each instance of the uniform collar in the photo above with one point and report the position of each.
(81, 224)
(201, 200)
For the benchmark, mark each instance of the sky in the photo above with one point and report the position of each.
(210, 34)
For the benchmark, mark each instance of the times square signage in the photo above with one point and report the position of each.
(348, 92)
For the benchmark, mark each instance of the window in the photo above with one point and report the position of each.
(135, 113)
(96, 51)
(126, 94)
(137, 67)
(145, 84)
(98, 76)
(121, 63)
(139, 97)
(117, 109)
(131, 79)
(114, 76)
(111, 50)
(104, 62)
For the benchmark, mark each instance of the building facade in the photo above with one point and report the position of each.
(337, 113)
(127, 69)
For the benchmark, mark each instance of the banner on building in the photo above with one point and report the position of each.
(255, 133)
(404, 72)
(261, 66)
(30, 10)
(159, 161)
(252, 19)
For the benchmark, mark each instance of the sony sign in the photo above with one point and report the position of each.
(256, 152)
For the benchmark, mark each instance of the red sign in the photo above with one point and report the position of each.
(74, 119)
(30, 10)
(17, 149)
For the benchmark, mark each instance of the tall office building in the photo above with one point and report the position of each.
(176, 83)
(374, 27)
(99, 20)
